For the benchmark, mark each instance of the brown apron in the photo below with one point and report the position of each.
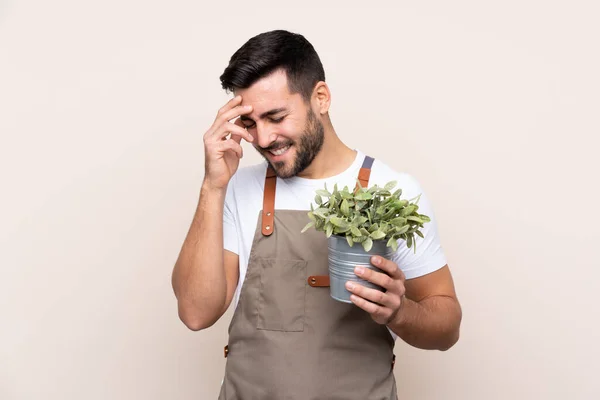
(288, 339)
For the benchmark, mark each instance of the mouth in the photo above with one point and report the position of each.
(280, 151)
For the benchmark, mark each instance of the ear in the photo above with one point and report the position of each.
(322, 97)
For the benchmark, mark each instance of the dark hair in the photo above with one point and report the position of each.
(270, 51)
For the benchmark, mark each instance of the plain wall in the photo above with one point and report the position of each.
(492, 106)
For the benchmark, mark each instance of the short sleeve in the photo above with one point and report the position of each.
(429, 255)
(230, 230)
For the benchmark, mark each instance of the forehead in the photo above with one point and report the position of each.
(269, 93)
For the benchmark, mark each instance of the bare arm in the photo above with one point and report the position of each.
(205, 275)
(430, 314)
(424, 311)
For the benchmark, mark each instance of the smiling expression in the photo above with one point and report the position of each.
(287, 132)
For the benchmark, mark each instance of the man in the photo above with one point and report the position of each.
(288, 339)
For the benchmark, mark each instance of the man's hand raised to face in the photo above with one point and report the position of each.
(222, 144)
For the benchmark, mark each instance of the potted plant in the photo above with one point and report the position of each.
(360, 224)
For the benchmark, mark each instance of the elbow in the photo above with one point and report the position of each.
(453, 335)
(194, 320)
(451, 341)
(195, 324)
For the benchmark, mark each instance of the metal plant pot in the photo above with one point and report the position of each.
(343, 259)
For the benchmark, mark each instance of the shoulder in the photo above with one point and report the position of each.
(382, 173)
(246, 184)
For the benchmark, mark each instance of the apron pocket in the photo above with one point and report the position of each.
(282, 294)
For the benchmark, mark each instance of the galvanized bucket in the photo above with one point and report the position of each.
(343, 259)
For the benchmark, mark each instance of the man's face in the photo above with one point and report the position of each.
(286, 131)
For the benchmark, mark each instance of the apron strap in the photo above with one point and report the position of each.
(365, 173)
(268, 211)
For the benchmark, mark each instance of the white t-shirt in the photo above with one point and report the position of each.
(244, 200)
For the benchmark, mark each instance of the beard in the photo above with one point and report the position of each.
(307, 148)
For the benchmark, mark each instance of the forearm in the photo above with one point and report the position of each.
(432, 323)
(198, 276)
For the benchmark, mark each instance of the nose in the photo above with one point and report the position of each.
(265, 136)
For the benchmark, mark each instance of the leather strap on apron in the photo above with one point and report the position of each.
(288, 339)
(365, 173)
(269, 202)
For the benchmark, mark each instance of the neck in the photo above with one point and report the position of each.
(334, 158)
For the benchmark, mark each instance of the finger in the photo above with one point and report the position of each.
(390, 267)
(376, 277)
(375, 296)
(231, 114)
(231, 145)
(378, 313)
(239, 123)
(237, 100)
(233, 129)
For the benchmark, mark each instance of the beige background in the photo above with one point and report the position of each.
(493, 106)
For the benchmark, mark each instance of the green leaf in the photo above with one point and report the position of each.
(323, 192)
(310, 224)
(409, 241)
(345, 208)
(389, 214)
(391, 242)
(355, 231)
(361, 220)
(321, 212)
(346, 195)
(318, 199)
(360, 205)
(390, 185)
(328, 229)
(416, 219)
(349, 240)
(400, 204)
(320, 224)
(339, 222)
(404, 229)
(407, 211)
(399, 221)
(420, 234)
(385, 227)
(343, 229)
(416, 199)
(363, 196)
(367, 244)
(364, 232)
(373, 227)
(378, 234)
(311, 216)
